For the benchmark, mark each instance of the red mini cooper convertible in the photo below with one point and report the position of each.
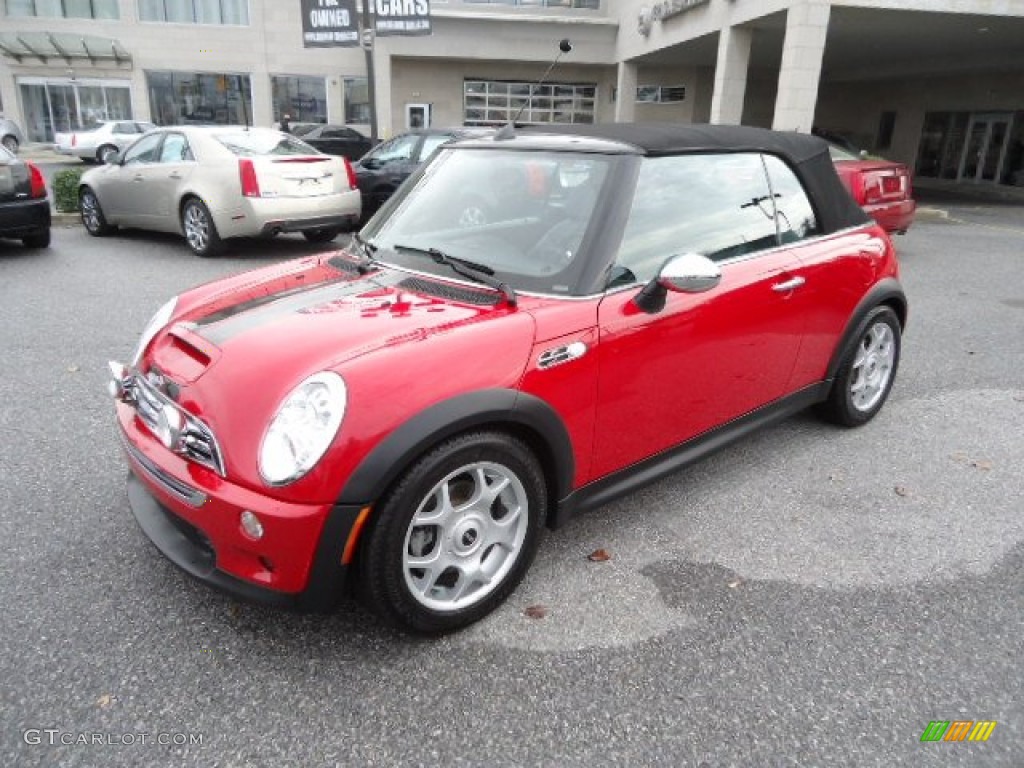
(402, 418)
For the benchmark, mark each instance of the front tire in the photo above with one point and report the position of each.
(456, 535)
(93, 220)
(866, 375)
(200, 231)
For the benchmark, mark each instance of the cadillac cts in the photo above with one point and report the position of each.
(403, 417)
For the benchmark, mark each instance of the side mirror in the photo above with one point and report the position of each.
(114, 158)
(684, 273)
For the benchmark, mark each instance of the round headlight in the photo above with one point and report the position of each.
(303, 428)
(158, 321)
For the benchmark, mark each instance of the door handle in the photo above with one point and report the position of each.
(138, 177)
(788, 285)
(174, 175)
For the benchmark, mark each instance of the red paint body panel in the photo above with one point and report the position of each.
(840, 270)
(292, 531)
(706, 358)
(448, 349)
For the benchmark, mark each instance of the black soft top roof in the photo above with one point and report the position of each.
(807, 155)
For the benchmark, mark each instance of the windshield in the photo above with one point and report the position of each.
(524, 214)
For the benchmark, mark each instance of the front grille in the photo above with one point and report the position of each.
(197, 441)
(191, 496)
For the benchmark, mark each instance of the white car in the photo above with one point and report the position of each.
(211, 183)
(102, 141)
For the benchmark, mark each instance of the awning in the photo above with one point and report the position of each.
(45, 47)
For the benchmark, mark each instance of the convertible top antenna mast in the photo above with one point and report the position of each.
(509, 129)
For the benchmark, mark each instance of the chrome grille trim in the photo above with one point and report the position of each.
(191, 496)
(198, 442)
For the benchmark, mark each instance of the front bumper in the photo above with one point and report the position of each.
(192, 516)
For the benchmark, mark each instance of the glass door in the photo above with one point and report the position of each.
(985, 147)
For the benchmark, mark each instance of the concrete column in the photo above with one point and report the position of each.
(731, 75)
(802, 52)
(9, 99)
(388, 115)
(625, 86)
(262, 98)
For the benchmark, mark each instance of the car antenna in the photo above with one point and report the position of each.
(508, 131)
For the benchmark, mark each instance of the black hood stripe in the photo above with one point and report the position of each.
(223, 325)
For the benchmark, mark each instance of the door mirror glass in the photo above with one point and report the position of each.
(689, 273)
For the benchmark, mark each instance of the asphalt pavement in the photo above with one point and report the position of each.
(808, 597)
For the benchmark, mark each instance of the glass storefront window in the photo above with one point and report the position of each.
(66, 9)
(53, 105)
(234, 12)
(496, 102)
(304, 98)
(357, 100)
(183, 98)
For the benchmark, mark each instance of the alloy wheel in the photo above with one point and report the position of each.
(197, 228)
(465, 536)
(873, 366)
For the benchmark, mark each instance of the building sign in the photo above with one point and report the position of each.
(329, 23)
(401, 17)
(666, 9)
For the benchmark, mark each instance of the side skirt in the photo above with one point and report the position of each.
(627, 480)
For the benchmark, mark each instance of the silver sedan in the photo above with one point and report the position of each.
(102, 141)
(211, 183)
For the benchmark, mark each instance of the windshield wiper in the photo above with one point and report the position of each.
(368, 261)
(480, 273)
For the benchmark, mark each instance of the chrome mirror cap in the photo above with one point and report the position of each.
(689, 273)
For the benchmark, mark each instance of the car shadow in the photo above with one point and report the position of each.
(247, 248)
(13, 249)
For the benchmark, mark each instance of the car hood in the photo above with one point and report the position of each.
(401, 342)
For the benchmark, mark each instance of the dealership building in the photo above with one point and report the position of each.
(936, 84)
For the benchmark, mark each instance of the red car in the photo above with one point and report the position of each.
(881, 187)
(402, 418)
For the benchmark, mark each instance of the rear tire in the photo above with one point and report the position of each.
(321, 235)
(866, 375)
(200, 231)
(40, 239)
(93, 220)
(455, 535)
(10, 144)
(104, 153)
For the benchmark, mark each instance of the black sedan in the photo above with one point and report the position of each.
(386, 166)
(24, 207)
(333, 139)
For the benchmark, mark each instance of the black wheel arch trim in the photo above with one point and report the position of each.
(496, 408)
(887, 291)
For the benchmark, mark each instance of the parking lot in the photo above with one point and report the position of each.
(810, 596)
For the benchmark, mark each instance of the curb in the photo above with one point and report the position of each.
(64, 219)
(934, 214)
